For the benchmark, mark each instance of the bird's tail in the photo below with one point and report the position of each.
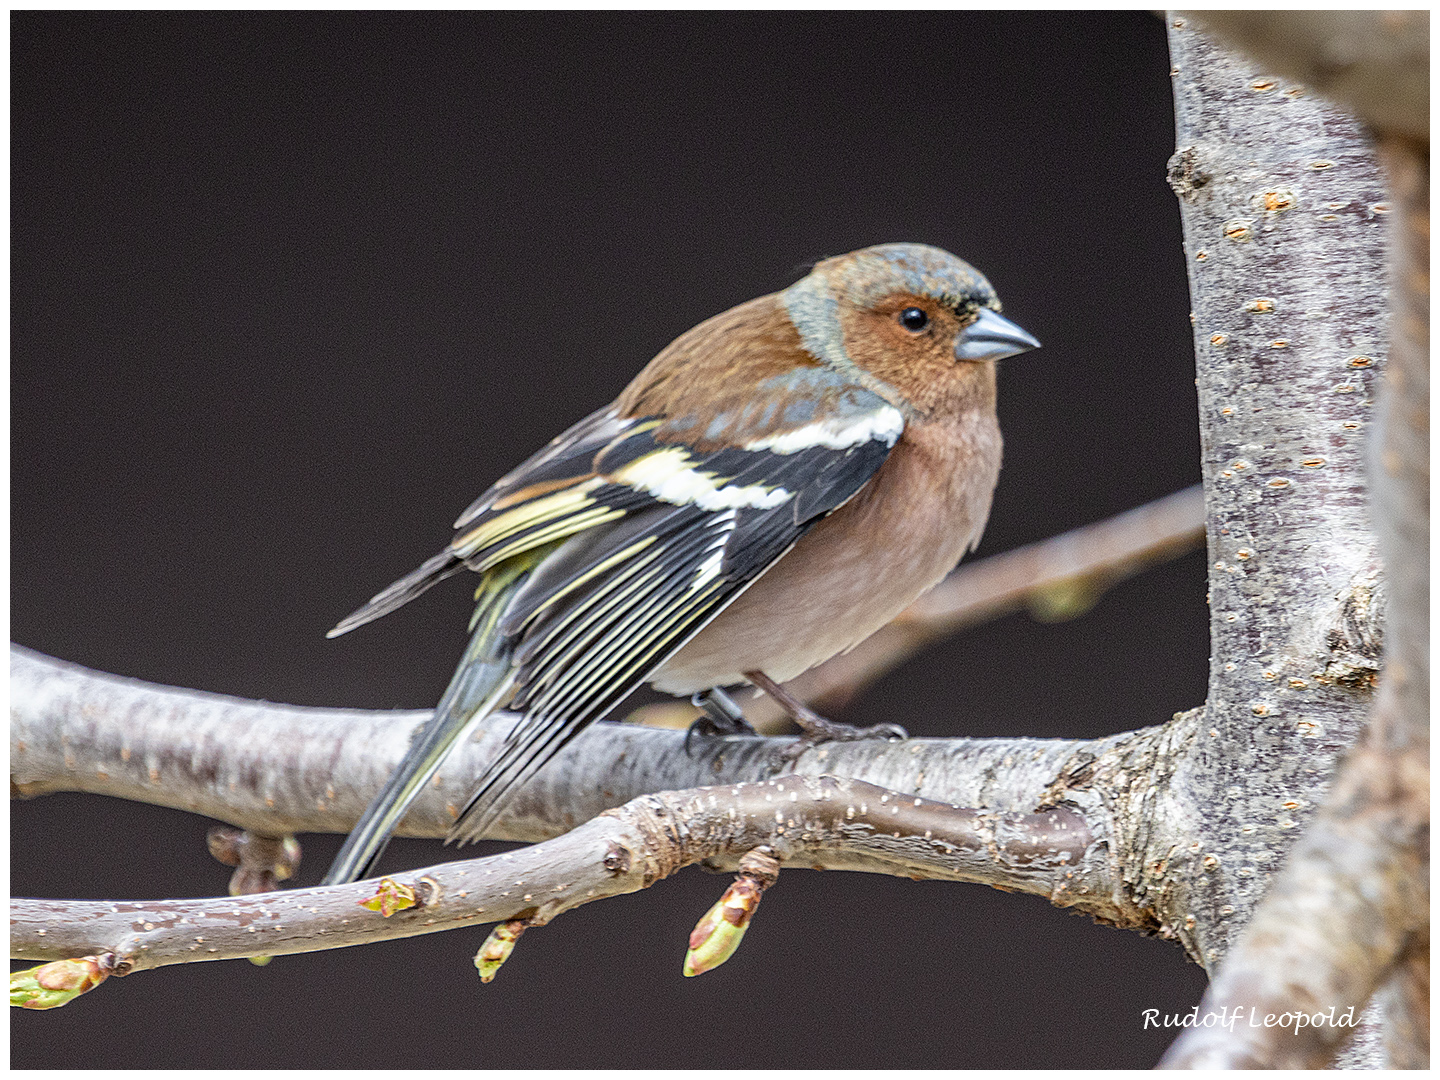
(399, 593)
(481, 684)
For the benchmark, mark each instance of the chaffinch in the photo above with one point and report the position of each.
(776, 485)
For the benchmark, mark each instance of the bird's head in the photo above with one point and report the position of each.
(908, 317)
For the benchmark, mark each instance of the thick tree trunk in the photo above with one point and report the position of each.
(1283, 207)
(1349, 912)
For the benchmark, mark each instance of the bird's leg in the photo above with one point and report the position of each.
(721, 716)
(814, 727)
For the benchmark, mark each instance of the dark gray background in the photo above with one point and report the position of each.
(290, 290)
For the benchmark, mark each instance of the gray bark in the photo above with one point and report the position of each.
(1349, 912)
(1376, 67)
(278, 769)
(823, 821)
(1282, 204)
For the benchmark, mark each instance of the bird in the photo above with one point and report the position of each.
(778, 483)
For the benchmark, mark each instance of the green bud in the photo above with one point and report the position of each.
(498, 947)
(390, 896)
(717, 935)
(54, 984)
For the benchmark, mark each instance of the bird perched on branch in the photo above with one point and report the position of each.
(776, 485)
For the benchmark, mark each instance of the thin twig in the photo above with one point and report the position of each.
(805, 821)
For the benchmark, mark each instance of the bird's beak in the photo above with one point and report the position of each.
(992, 337)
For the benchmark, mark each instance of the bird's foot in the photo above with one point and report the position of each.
(815, 728)
(721, 716)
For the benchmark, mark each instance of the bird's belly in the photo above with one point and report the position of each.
(847, 577)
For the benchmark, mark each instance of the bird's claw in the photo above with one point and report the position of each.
(816, 729)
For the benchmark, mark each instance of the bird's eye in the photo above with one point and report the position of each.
(914, 319)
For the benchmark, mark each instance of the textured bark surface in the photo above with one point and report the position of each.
(1375, 64)
(278, 769)
(1349, 912)
(819, 821)
(1283, 208)
(281, 768)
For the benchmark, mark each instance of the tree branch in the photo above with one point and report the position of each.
(825, 822)
(276, 769)
(1283, 208)
(280, 769)
(1351, 906)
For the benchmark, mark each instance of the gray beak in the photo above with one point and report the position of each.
(992, 337)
